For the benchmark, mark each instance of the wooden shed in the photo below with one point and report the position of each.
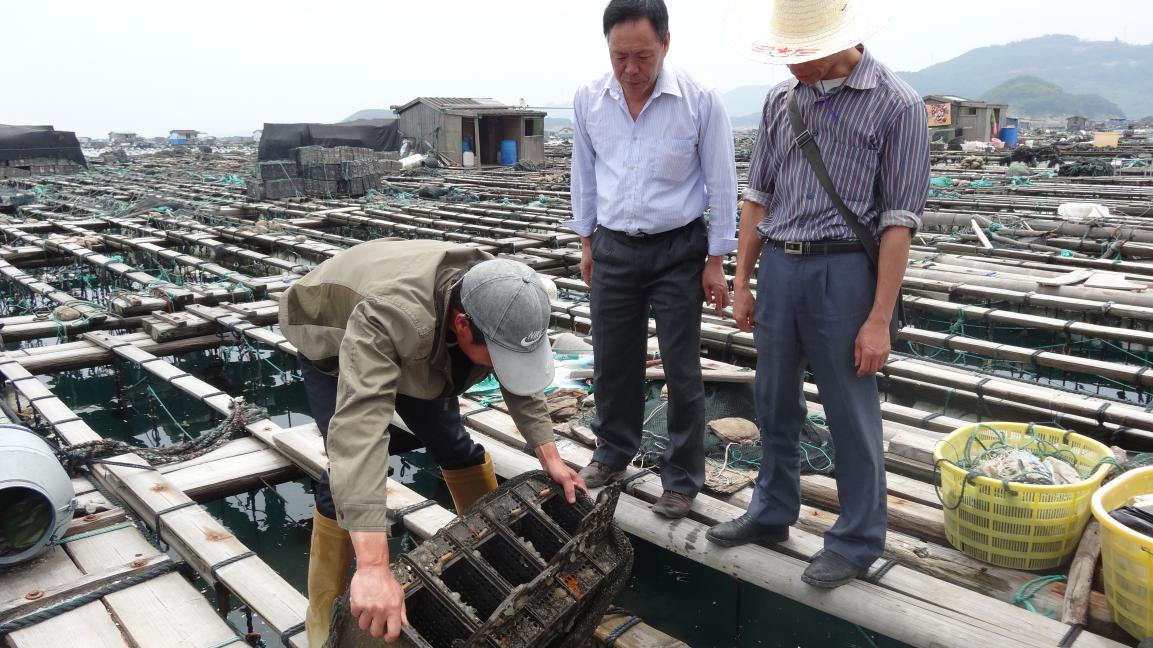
(451, 125)
(951, 116)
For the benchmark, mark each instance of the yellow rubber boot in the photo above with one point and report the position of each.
(329, 562)
(467, 485)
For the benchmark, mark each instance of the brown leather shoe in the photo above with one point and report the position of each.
(597, 474)
(673, 505)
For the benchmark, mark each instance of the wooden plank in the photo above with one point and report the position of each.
(90, 622)
(232, 475)
(89, 355)
(110, 549)
(1077, 601)
(639, 636)
(916, 519)
(95, 521)
(72, 589)
(167, 612)
(49, 571)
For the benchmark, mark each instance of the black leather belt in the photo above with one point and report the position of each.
(641, 236)
(816, 247)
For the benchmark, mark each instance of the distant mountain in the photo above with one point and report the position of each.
(370, 113)
(1034, 97)
(745, 100)
(752, 120)
(1115, 70)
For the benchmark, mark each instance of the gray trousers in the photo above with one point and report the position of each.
(809, 310)
(661, 272)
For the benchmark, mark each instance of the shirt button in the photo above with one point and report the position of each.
(809, 196)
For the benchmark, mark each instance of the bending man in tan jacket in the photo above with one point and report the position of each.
(405, 327)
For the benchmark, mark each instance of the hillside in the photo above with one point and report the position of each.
(1115, 70)
(742, 122)
(745, 100)
(370, 113)
(1034, 97)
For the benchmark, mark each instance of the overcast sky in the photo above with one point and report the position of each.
(226, 67)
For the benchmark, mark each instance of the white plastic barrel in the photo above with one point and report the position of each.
(36, 496)
(469, 160)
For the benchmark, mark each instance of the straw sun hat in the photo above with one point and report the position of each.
(795, 31)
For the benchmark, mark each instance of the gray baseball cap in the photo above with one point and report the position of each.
(509, 305)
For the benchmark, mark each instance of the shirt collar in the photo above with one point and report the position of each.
(862, 77)
(666, 84)
(864, 74)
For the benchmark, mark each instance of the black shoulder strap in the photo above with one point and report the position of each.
(804, 141)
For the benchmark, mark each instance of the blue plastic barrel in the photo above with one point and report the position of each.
(1009, 135)
(508, 152)
(466, 145)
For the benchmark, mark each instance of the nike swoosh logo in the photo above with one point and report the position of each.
(530, 340)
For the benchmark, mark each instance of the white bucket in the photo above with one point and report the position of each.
(469, 159)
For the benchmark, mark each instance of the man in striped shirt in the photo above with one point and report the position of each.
(652, 151)
(819, 304)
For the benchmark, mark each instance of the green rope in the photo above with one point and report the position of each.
(1026, 592)
(95, 532)
(170, 416)
(866, 636)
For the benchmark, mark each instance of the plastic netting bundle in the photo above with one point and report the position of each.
(725, 401)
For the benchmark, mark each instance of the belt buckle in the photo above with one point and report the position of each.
(636, 235)
(794, 247)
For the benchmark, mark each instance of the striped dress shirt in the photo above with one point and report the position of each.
(660, 172)
(874, 140)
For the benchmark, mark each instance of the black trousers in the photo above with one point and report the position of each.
(436, 423)
(632, 276)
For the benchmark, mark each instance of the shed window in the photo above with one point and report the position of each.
(533, 127)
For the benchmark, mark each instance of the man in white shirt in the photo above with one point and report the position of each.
(652, 153)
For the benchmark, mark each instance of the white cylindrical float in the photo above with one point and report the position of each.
(36, 496)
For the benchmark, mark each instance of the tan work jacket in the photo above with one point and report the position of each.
(378, 311)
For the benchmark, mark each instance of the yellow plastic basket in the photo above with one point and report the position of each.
(1126, 556)
(1023, 526)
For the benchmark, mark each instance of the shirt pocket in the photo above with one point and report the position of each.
(674, 159)
(854, 171)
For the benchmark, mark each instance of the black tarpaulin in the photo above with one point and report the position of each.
(24, 142)
(278, 140)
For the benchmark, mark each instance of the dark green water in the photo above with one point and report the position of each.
(684, 599)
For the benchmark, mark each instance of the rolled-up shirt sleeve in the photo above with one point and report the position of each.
(583, 185)
(904, 171)
(715, 147)
(358, 432)
(761, 177)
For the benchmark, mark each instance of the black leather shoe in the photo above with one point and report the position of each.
(744, 530)
(829, 570)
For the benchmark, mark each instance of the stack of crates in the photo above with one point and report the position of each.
(323, 172)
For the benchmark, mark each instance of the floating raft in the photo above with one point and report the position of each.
(1047, 318)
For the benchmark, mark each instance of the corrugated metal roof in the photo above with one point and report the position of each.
(454, 103)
